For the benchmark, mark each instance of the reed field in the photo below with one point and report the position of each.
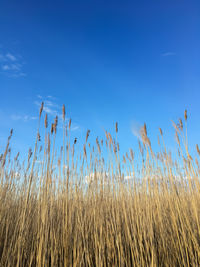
(96, 207)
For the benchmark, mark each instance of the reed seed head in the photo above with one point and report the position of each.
(55, 124)
(17, 156)
(56, 121)
(145, 129)
(176, 126)
(180, 125)
(41, 108)
(30, 153)
(38, 137)
(124, 160)
(63, 111)
(143, 133)
(87, 135)
(46, 121)
(84, 149)
(198, 150)
(70, 122)
(177, 138)
(52, 128)
(185, 115)
(190, 157)
(11, 133)
(116, 127)
(131, 153)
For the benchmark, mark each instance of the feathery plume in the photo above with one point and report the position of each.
(84, 149)
(87, 135)
(55, 124)
(70, 122)
(185, 115)
(41, 108)
(132, 154)
(52, 128)
(39, 137)
(46, 121)
(198, 150)
(180, 125)
(116, 127)
(145, 129)
(63, 111)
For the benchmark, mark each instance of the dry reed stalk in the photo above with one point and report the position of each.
(109, 222)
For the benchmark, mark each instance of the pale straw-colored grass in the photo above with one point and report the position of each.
(50, 215)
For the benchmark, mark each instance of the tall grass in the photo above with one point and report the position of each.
(50, 216)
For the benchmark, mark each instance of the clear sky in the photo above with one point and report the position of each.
(107, 61)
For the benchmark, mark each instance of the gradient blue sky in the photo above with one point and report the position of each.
(107, 61)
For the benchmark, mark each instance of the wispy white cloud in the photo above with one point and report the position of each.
(14, 67)
(136, 129)
(6, 57)
(1, 58)
(51, 104)
(50, 110)
(11, 65)
(16, 75)
(75, 127)
(168, 54)
(5, 67)
(98, 176)
(17, 175)
(105, 177)
(11, 57)
(51, 97)
(129, 177)
(24, 118)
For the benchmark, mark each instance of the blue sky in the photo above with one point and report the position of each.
(107, 61)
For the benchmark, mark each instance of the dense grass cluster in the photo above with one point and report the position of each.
(127, 214)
